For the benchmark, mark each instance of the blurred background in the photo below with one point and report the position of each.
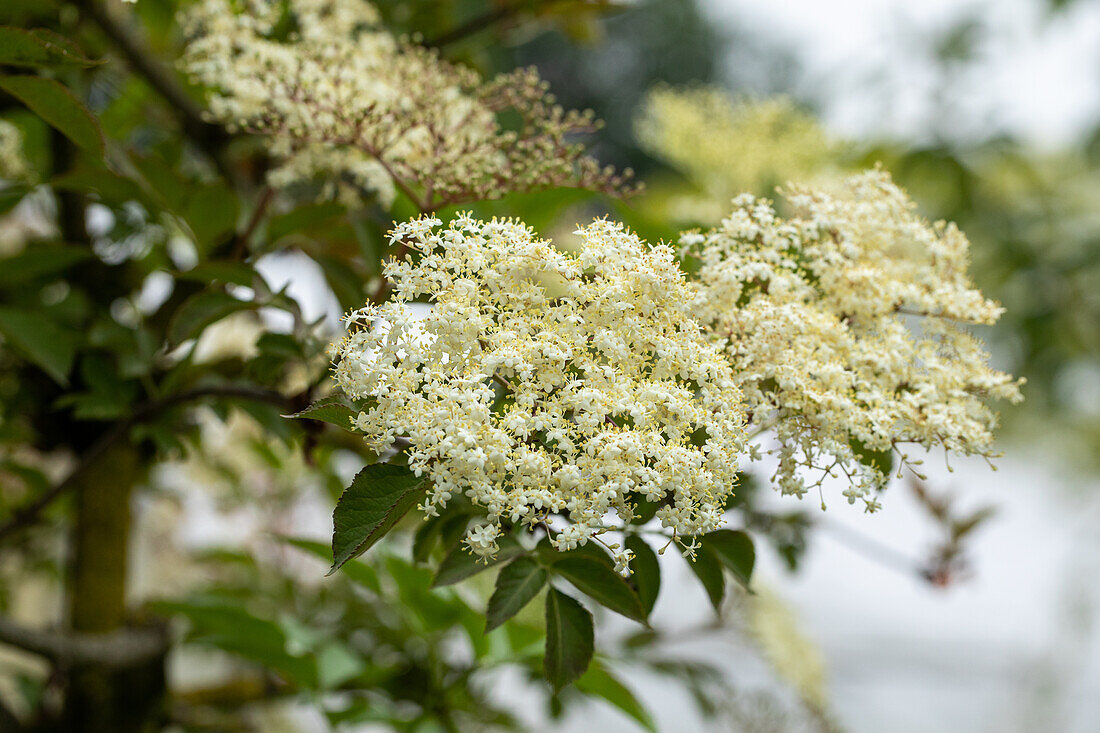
(986, 111)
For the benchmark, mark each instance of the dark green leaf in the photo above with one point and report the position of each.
(646, 569)
(460, 564)
(39, 260)
(236, 273)
(518, 582)
(40, 340)
(734, 550)
(303, 217)
(569, 639)
(602, 584)
(708, 569)
(601, 683)
(39, 48)
(334, 410)
(59, 108)
(200, 311)
(211, 213)
(378, 497)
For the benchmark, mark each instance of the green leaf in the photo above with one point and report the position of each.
(236, 273)
(40, 340)
(336, 664)
(358, 572)
(200, 311)
(708, 569)
(378, 497)
(460, 564)
(569, 639)
(59, 108)
(734, 550)
(602, 584)
(599, 682)
(39, 48)
(303, 217)
(517, 584)
(211, 213)
(39, 260)
(646, 569)
(334, 410)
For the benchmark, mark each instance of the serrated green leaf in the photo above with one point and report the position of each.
(517, 584)
(733, 549)
(202, 310)
(569, 639)
(334, 410)
(601, 584)
(460, 564)
(39, 48)
(59, 108)
(40, 260)
(599, 682)
(377, 498)
(646, 575)
(40, 340)
(708, 569)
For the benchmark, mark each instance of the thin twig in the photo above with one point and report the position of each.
(240, 247)
(29, 513)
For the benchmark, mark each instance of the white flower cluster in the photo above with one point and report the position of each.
(344, 102)
(847, 329)
(544, 382)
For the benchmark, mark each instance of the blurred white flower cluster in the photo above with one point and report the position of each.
(726, 146)
(544, 382)
(13, 163)
(345, 102)
(846, 326)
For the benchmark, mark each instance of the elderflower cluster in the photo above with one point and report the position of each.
(847, 329)
(345, 102)
(544, 382)
(13, 164)
(728, 145)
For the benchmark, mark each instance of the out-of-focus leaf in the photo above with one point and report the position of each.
(646, 575)
(708, 569)
(236, 273)
(460, 564)
(517, 584)
(603, 585)
(601, 683)
(336, 664)
(40, 340)
(591, 550)
(569, 639)
(358, 572)
(211, 213)
(39, 48)
(735, 550)
(201, 310)
(57, 106)
(40, 260)
(303, 217)
(377, 498)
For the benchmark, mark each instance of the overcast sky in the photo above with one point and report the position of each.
(1037, 73)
